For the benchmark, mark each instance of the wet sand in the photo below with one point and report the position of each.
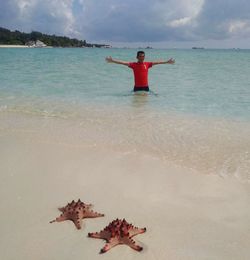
(188, 215)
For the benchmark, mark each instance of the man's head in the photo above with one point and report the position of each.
(140, 56)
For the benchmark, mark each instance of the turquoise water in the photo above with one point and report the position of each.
(206, 82)
(197, 116)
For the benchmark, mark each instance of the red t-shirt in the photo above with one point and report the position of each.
(140, 72)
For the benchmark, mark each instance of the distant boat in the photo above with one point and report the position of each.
(198, 48)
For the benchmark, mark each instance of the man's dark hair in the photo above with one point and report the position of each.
(140, 52)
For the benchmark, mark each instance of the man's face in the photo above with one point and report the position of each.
(141, 57)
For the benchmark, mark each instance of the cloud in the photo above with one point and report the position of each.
(222, 19)
(239, 27)
(49, 16)
(130, 20)
(139, 20)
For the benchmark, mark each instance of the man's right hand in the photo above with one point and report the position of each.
(109, 59)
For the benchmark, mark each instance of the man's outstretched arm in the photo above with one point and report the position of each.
(111, 60)
(170, 61)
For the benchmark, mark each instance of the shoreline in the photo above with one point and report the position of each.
(21, 46)
(220, 148)
(13, 46)
(188, 215)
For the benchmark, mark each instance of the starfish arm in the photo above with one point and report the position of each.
(77, 222)
(135, 231)
(102, 235)
(91, 214)
(130, 242)
(82, 204)
(112, 242)
(59, 219)
(88, 205)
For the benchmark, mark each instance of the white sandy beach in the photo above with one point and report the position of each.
(188, 215)
(13, 46)
(20, 46)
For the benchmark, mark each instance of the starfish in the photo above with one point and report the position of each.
(76, 211)
(118, 232)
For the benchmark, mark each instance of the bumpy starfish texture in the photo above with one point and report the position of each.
(76, 211)
(118, 232)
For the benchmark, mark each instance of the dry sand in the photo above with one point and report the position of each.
(13, 46)
(188, 215)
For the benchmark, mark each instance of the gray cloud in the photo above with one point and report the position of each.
(8, 13)
(140, 20)
(222, 19)
(49, 16)
(130, 20)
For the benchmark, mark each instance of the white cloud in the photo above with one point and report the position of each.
(239, 26)
(190, 10)
(49, 16)
(25, 5)
(131, 20)
(180, 22)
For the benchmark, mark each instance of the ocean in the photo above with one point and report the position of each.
(197, 114)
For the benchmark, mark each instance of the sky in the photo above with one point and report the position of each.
(133, 23)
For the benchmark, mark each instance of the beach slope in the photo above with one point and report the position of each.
(188, 215)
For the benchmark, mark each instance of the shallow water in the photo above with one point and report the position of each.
(197, 116)
(204, 82)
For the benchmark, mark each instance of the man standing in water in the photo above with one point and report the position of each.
(140, 69)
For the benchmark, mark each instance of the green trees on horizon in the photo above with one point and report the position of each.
(20, 38)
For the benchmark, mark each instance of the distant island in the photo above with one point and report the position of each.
(198, 48)
(38, 39)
